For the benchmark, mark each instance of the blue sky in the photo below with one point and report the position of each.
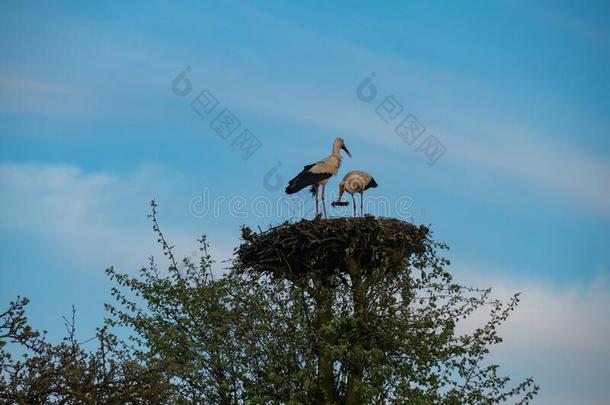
(517, 92)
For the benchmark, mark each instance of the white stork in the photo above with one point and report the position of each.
(355, 182)
(317, 174)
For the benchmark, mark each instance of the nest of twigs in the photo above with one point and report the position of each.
(327, 246)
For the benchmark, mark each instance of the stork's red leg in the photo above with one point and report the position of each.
(316, 187)
(361, 198)
(354, 203)
(323, 203)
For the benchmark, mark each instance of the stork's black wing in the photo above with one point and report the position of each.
(304, 179)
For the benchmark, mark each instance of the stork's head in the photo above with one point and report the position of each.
(339, 144)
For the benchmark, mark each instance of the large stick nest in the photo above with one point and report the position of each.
(328, 245)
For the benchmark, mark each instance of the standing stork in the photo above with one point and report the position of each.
(317, 174)
(355, 182)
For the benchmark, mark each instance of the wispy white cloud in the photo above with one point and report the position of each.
(19, 93)
(18, 84)
(94, 219)
(552, 167)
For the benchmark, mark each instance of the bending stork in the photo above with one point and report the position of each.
(317, 174)
(355, 182)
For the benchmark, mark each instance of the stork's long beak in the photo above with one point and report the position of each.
(346, 151)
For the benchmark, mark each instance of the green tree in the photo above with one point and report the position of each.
(346, 311)
(349, 310)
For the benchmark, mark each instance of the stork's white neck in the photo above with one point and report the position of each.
(336, 149)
